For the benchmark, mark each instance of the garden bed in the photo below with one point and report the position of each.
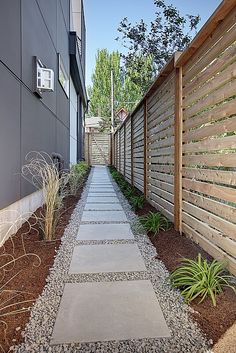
(171, 247)
(31, 278)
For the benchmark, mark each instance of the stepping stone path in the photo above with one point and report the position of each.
(107, 311)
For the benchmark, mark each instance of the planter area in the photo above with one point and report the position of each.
(171, 248)
(24, 278)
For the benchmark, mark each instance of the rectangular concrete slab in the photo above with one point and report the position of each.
(106, 311)
(101, 194)
(103, 206)
(106, 258)
(102, 184)
(104, 216)
(92, 199)
(104, 232)
(101, 188)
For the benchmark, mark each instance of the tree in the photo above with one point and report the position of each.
(168, 33)
(100, 91)
(130, 82)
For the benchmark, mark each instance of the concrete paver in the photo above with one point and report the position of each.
(93, 199)
(104, 216)
(101, 194)
(106, 311)
(104, 232)
(103, 206)
(106, 258)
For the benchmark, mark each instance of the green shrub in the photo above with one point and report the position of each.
(129, 192)
(199, 278)
(154, 222)
(137, 202)
(76, 177)
(80, 168)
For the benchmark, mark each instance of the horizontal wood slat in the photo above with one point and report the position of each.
(186, 161)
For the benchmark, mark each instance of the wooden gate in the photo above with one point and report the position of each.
(98, 148)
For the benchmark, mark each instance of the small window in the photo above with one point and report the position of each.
(63, 78)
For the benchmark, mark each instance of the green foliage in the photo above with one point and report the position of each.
(100, 91)
(130, 83)
(199, 278)
(129, 192)
(167, 33)
(154, 222)
(80, 168)
(76, 176)
(137, 202)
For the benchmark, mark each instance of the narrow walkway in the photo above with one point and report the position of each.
(107, 310)
(107, 292)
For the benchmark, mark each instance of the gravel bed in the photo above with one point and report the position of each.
(104, 222)
(107, 277)
(185, 335)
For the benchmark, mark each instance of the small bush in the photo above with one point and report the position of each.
(80, 168)
(199, 278)
(76, 177)
(137, 202)
(129, 192)
(154, 222)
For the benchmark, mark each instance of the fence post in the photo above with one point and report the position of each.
(145, 147)
(124, 147)
(132, 149)
(88, 142)
(119, 151)
(178, 150)
(111, 148)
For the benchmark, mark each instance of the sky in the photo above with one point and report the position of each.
(103, 17)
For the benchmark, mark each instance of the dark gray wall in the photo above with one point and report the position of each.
(30, 28)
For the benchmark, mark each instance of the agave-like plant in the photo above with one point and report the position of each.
(154, 222)
(200, 278)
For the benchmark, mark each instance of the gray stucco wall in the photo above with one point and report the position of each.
(30, 28)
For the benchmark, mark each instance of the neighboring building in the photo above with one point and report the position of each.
(92, 124)
(50, 34)
(122, 114)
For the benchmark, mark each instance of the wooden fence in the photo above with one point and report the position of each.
(97, 148)
(178, 146)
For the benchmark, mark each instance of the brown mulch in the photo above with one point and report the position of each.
(171, 247)
(32, 277)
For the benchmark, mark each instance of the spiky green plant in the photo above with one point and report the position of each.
(129, 192)
(137, 202)
(200, 278)
(154, 222)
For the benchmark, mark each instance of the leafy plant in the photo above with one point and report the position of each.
(154, 222)
(76, 176)
(44, 174)
(80, 168)
(137, 202)
(168, 32)
(199, 278)
(129, 192)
